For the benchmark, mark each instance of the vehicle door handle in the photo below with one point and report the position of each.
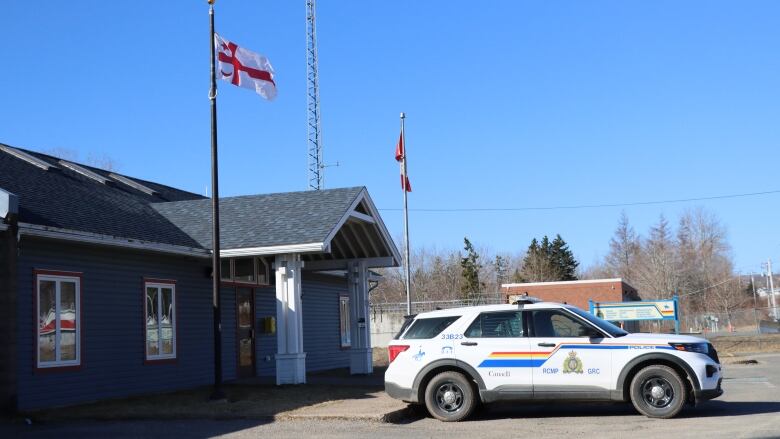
(547, 345)
(468, 343)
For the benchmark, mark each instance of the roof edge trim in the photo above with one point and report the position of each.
(35, 230)
(562, 282)
(316, 247)
(381, 226)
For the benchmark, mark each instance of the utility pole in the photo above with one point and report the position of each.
(755, 304)
(771, 288)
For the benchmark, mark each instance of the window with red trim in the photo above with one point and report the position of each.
(160, 320)
(58, 307)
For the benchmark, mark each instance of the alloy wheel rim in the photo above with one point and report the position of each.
(657, 392)
(449, 397)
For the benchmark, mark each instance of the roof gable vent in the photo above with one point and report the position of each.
(27, 157)
(85, 172)
(133, 184)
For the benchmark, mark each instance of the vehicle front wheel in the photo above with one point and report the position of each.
(658, 392)
(449, 397)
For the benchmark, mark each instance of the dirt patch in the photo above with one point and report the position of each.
(738, 344)
(243, 402)
(380, 357)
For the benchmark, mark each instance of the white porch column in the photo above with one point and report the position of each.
(290, 357)
(360, 356)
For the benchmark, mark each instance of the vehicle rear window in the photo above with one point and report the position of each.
(429, 328)
(407, 321)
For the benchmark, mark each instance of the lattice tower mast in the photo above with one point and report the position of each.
(316, 168)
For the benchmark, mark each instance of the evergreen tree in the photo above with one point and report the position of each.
(548, 261)
(563, 259)
(470, 266)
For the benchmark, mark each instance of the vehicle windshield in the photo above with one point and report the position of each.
(604, 325)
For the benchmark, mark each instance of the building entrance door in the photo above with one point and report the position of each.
(245, 331)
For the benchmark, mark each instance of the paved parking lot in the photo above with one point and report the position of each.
(749, 409)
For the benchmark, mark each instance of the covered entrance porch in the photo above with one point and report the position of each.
(295, 285)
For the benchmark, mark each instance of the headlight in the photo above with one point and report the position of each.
(700, 348)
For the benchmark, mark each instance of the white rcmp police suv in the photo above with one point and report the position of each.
(451, 360)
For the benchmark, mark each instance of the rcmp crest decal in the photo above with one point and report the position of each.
(572, 363)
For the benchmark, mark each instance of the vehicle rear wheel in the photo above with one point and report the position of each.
(658, 392)
(449, 397)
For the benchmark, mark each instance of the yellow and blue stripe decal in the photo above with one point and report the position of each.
(537, 359)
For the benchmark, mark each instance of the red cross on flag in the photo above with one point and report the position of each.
(245, 68)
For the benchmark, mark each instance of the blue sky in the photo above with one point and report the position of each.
(509, 104)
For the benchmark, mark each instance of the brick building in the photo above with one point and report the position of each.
(576, 293)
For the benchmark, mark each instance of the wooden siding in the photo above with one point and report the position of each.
(112, 351)
(265, 344)
(321, 329)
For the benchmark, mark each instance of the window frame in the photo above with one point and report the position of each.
(523, 323)
(160, 284)
(455, 318)
(345, 322)
(260, 266)
(57, 277)
(566, 312)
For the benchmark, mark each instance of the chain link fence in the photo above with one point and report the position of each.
(387, 318)
(744, 321)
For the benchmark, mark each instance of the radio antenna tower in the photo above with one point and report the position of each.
(314, 143)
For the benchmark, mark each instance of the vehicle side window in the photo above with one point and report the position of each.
(552, 323)
(497, 324)
(429, 328)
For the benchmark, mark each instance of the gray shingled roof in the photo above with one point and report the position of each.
(263, 220)
(66, 199)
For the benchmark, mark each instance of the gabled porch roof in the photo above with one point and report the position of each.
(327, 228)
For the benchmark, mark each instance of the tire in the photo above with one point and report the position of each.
(658, 392)
(449, 397)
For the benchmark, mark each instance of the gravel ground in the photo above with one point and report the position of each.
(749, 409)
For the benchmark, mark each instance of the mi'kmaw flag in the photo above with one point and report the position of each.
(400, 156)
(245, 68)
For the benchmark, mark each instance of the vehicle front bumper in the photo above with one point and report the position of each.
(395, 391)
(705, 394)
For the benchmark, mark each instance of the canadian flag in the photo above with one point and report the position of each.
(245, 68)
(400, 156)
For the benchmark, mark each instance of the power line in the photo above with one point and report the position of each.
(711, 286)
(585, 206)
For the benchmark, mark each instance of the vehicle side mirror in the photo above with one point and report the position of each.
(594, 334)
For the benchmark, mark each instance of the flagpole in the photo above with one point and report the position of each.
(406, 224)
(216, 393)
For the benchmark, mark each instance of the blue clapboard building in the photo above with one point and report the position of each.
(105, 283)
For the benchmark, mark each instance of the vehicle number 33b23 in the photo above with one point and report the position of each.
(451, 336)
